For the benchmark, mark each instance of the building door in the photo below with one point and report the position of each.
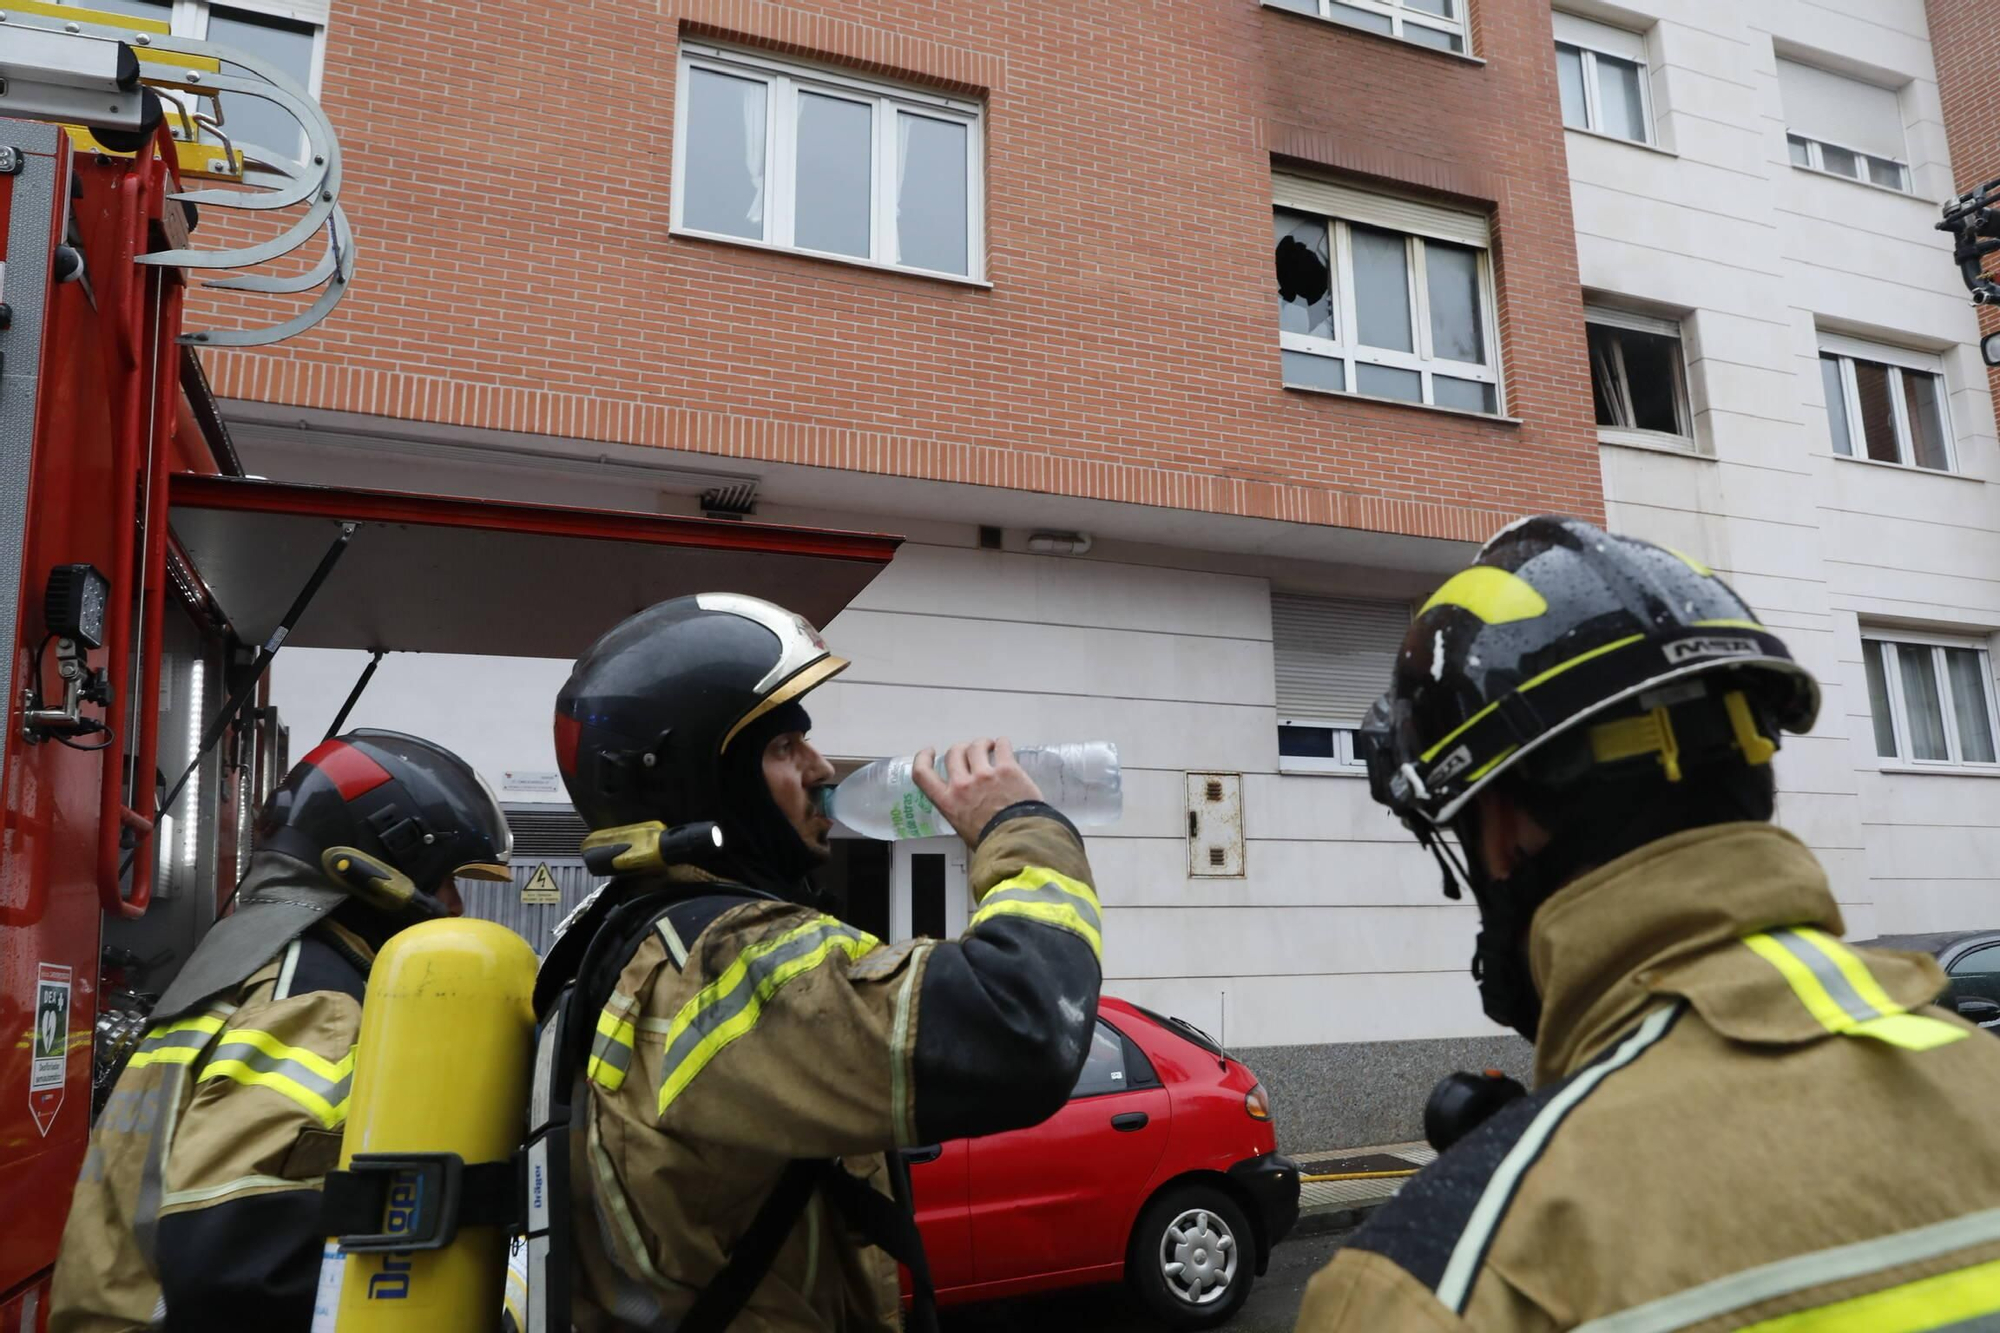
(927, 889)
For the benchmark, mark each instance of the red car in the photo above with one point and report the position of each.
(1162, 1169)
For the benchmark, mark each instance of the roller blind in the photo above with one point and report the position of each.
(1600, 37)
(1380, 210)
(1333, 655)
(1838, 110)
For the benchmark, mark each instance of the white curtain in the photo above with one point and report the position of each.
(754, 97)
(902, 170)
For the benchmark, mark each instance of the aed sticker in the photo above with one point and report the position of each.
(541, 888)
(48, 1073)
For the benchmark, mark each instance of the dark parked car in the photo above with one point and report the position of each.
(1971, 963)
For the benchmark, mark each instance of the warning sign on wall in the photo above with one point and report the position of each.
(48, 1074)
(541, 890)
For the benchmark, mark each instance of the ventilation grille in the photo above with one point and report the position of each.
(1214, 789)
(1218, 857)
(555, 830)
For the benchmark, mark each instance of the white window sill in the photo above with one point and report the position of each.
(930, 275)
(1909, 468)
(1370, 32)
(1491, 417)
(1653, 442)
(1939, 770)
(1853, 180)
(1287, 767)
(1621, 139)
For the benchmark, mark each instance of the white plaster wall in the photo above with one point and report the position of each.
(1754, 255)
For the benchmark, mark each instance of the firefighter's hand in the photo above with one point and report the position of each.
(981, 779)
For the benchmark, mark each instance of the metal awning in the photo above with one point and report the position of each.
(443, 574)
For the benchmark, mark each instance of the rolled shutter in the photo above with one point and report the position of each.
(1333, 655)
(1396, 212)
(1841, 111)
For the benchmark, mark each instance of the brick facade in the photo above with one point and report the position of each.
(1965, 39)
(508, 173)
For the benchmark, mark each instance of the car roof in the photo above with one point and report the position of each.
(1933, 942)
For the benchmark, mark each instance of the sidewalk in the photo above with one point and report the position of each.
(1334, 1205)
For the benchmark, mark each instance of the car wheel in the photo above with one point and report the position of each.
(1192, 1257)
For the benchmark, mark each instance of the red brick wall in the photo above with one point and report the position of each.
(1965, 41)
(508, 173)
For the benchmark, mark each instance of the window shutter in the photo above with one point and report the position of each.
(1841, 111)
(1600, 37)
(1333, 655)
(1380, 210)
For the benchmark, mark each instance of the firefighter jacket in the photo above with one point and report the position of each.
(778, 1033)
(1739, 1123)
(198, 1203)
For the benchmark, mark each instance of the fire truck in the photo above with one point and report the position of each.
(147, 584)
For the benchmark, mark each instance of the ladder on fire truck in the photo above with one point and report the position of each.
(110, 79)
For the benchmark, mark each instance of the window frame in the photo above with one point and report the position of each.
(1397, 11)
(1346, 760)
(784, 81)
(1345, 347)
(1892, 685)
(1816, 162)
(1591, 110)
(1847, 351)
(1631, 321)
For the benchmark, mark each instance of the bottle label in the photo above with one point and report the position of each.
(326, 1301)
(913, 816)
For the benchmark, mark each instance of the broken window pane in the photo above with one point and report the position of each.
(931, 219)
(1305, 275)
(1382, 288)
(724, 174)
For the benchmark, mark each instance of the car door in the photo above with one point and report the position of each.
(1062, 1195)
(938, 1176)
(1975, 975)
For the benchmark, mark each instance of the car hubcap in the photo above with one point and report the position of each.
(1198, 1257)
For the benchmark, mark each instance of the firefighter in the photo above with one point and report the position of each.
(1738, 1121)
(752, 1058)
(198, 1203)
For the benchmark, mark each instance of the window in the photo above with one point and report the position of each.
(1333, 657)
(1384, 297)
(1104, 1067)
(1931, 699)
(811, 160)
(291, 37)
(1602, 72)
(1885, 403)
(1638, 378)
(1843, 126)
(1434, 23)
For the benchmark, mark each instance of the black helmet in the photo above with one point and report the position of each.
(388, 817)
(1590, 673)
(666, 716)
(1558, 622)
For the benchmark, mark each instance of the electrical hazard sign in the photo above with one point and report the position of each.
(48, 1074)
(541, 890)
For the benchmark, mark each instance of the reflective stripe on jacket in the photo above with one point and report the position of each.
(782, 1033)
(1740, 1123)
(198, 1201)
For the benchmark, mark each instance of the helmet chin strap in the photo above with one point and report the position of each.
(1506, 907)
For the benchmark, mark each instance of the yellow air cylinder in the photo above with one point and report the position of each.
(447, 1036)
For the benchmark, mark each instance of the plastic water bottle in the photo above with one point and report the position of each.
(882, 801)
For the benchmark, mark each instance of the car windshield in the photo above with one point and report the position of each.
(1180, 1027)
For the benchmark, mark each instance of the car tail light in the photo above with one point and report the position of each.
(1258, 1103)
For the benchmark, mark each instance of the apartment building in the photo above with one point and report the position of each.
(1188, 346)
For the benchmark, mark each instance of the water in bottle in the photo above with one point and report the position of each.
(882, 801)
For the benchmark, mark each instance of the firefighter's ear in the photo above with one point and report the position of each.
(374, 882)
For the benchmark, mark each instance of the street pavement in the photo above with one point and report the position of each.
(1273, 1306)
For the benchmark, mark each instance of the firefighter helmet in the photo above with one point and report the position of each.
(404, 815)
(665, 718)
(1558, 623)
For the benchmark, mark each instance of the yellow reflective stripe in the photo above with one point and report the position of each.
(1851, 967)
(1527, 685)
(329, 1114)
(1045, 895)
(611, 1051)
(1053, 914)
(1912, 1032)
(1497, 596)
(1490, 764)
(313, 1061)
(1914, 1307)
(730, 1006)
(1804, 984)
(308, 1079)
(177, 1043)
(1759, 626)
